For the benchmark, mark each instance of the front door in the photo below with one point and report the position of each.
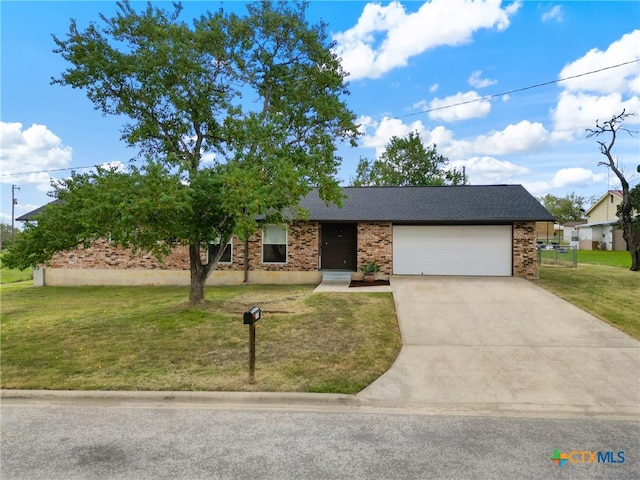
(339, 246)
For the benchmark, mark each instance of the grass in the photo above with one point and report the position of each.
(609, 292)
(10, 275)
(598, 257)
(149, 338)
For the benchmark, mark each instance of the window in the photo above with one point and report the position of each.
(213, 248)
(274, 244)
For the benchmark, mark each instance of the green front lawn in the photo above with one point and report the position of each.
(149, 338)
(608, 292)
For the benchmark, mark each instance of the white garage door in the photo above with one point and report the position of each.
(452, 250)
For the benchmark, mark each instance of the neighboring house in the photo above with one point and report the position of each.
(571, 234)
(600, 232)
(451, 230)
(548, 232)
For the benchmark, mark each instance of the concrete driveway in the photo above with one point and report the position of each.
(504, 344)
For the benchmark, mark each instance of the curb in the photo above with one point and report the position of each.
(325, 402)
(224, 398)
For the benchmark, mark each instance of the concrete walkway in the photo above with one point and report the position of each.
(504, 344)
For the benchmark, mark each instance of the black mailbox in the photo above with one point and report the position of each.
(252, 316)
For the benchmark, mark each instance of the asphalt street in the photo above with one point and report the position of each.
(85, 440)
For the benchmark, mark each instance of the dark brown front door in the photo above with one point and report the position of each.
(339, 246)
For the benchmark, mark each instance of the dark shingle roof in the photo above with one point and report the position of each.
(450, 204)
(459, 204)
(34, 213)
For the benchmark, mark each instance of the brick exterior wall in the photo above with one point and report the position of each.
(375, 243)
(302, 255)
(104, 255)
(525, 264)
(302, 250)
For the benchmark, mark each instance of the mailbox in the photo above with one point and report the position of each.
(252, 316)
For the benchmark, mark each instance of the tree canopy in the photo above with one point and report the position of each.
(569, 208)
(234, 117)
(7, 233)
(406, 161)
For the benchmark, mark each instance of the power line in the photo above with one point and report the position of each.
(487, 97)
(47, 171)
(444, 107)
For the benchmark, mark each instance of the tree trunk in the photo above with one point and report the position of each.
(199, 274)
(630, 237)
(633, 245)
(635, 257)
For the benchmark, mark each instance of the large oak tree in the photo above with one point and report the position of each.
(234, 117)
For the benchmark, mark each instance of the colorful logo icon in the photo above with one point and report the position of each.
(587, 456)
(559, 458)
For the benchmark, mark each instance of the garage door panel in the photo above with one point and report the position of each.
(452, 250)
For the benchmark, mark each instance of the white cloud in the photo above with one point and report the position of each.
(385, 37)
(363, 123)
(574, 177)
(421, 105)
(433, 88)
(575, 112)
(622, 79)
(554, 14)
(476, 80)
(537, 189)
(378, 134)
(565, 179)
(116, 166)
(467, 105)
(440, 136)
(387, 128)
(489, 170)
(34, 149)
(521, 137)
(601, 95)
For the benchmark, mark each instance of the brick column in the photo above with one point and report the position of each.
(525, 264)
(375, 243)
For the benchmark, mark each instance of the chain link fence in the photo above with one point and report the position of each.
(558, 256)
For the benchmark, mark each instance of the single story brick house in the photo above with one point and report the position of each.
(480, 230)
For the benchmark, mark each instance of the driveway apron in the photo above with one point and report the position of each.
(489, 343)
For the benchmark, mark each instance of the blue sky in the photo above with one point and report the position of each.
(406, 60)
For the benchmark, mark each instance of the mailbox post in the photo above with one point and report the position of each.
(250, 318)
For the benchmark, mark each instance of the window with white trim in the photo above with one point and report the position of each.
(274, 244)
(213, 248)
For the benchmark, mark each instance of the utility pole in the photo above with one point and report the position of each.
(14, 202)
